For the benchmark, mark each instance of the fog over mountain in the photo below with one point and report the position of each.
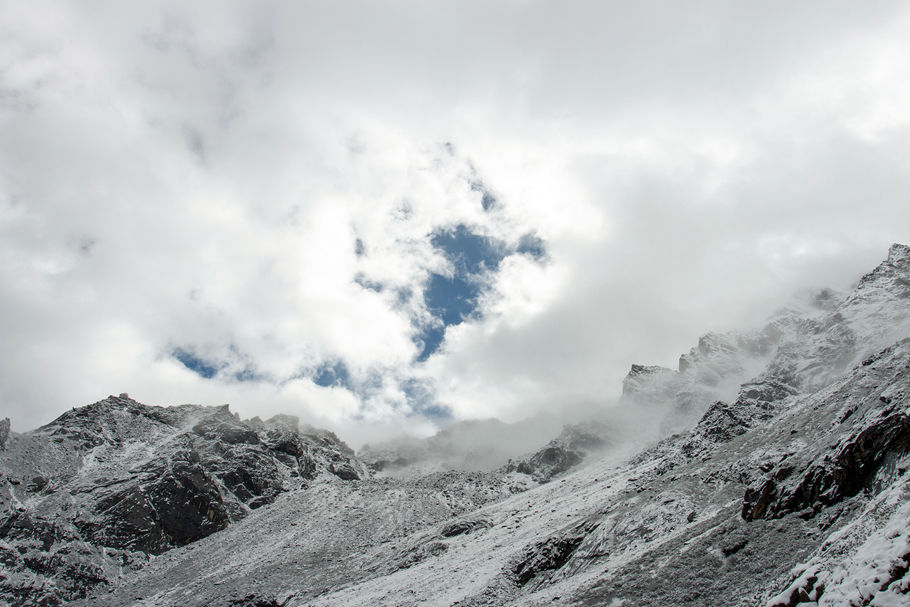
(790, 489)
(461, 303)
(386, 219)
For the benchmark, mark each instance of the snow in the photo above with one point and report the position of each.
(866, 575)
(651, 524)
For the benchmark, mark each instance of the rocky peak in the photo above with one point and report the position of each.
(639, 374)
(889, 277)
(132, 480)
(801, 348)
(575, 443)
(899, 255)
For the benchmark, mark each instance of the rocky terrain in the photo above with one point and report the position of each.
(468, 445)
(103, 488)
(770, 468)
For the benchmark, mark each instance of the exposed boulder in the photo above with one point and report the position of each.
(549, 555)
(464, 527)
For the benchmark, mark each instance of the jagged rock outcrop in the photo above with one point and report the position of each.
(789, 485)
(103, 487)
(549, 555)
(801, 349)
(641, 374)
(563, 452)
(872, 432)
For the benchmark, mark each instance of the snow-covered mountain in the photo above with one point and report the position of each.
(101, 489)
(785, 483)
(479, 445)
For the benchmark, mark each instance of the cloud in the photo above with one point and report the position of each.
(385, 217)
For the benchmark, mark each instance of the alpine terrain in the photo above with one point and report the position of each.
(771, 468)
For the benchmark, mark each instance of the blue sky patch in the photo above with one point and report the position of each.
(209, 368)
(429, 340)
(533, 246)
(487, 200)
(197, 365)
(366, 283)
(330, 374)
(469, 252)
(453, 298)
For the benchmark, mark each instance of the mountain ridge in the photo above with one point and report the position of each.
(769, 468)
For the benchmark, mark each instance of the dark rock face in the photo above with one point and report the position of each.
(548, 462)
(830, 479)
(255, 600)
(721, 422)
(872, 430)
(561, 454)
(118, 481)
(179, 504)
(549, 555)
(545, 556)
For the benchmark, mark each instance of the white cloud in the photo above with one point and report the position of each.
(197, 176)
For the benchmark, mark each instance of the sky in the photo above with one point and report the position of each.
(384, 217)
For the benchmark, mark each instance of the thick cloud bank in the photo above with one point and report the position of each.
(388, 216)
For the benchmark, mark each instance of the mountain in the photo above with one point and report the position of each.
(770, 468)
(479, 445)
(103, 488)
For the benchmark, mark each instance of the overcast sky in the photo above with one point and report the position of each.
(385, 216)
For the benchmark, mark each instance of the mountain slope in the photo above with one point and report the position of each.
(787, 485)
(91, 495)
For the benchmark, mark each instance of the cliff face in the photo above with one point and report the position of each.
(786, 483)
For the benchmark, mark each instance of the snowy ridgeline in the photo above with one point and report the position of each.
(774, 472)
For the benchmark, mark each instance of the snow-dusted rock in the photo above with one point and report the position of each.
(786, 483)
(467, 445)
(4, 432)
(564, 452)
(95, 492)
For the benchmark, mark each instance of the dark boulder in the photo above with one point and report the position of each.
(550, 554)
(464, 527)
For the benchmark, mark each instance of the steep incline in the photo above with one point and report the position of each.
(788, 486)
(799, 350)
(667, 527)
